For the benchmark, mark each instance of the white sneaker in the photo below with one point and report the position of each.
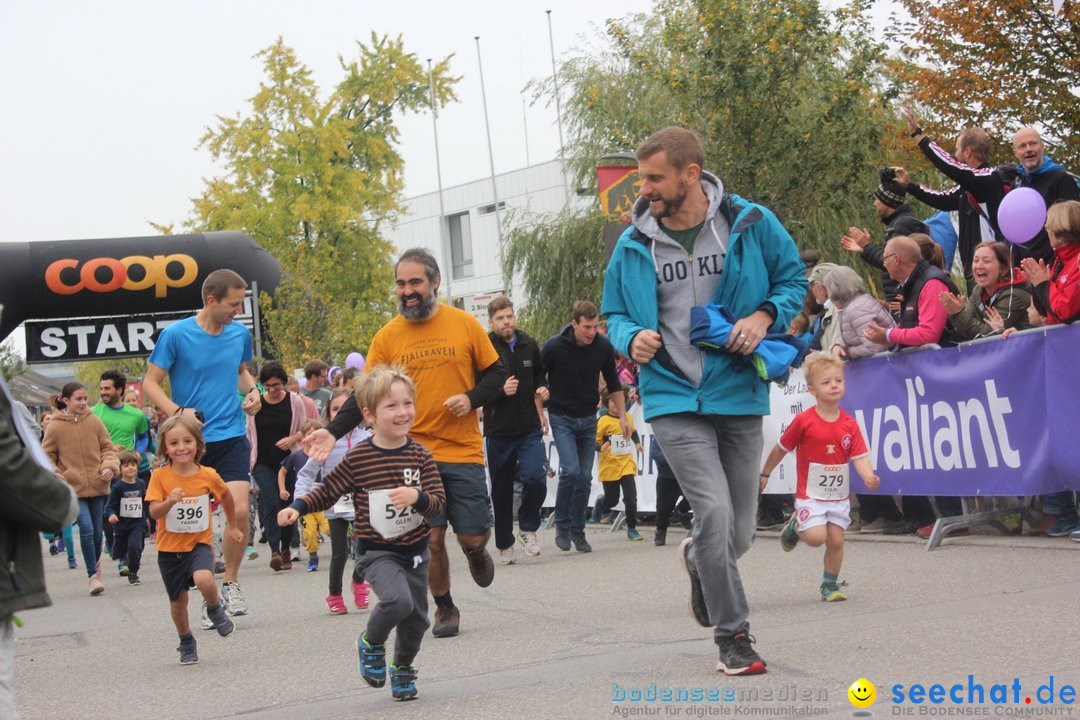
(207, 623)
(96, 588)
(531, 543)
(506, 557)
(296, 554)
(233, 599)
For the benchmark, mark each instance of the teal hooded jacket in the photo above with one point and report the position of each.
(762, 265)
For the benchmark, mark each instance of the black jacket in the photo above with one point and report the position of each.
(909, 301)
(516, 414)
(976, 197)
(901, 222)
(1054, 185)
(574, 373)
(34, 501)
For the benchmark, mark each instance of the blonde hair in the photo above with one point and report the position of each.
(187, 423)
(819, 361)
(375, 385)
(1063, 218)
(310, 426)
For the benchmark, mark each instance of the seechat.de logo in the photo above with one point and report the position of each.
(135, 272)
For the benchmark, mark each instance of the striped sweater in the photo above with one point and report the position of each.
(368, 467)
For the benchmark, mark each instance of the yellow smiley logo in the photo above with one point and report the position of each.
(862, 693)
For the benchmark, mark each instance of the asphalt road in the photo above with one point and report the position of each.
(561, 635)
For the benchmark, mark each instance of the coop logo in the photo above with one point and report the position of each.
(135, 272)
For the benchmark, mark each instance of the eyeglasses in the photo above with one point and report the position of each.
(273, 386)
(887, 256)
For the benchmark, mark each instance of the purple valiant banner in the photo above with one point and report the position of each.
(1000, 417)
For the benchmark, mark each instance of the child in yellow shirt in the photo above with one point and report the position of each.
(618, 466)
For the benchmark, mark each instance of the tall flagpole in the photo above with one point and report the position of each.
(447, 253)
(491, 156)
(558, 106)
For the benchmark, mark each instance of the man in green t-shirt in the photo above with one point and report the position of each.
(127, 425)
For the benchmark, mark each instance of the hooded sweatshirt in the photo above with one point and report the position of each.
(743, 259)
(80, 448)
(1054, 183)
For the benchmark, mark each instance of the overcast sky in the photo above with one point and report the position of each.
(105, 102)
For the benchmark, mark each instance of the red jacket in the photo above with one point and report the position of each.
(1059, 297)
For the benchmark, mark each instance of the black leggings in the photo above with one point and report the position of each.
(339, 553)
(629, 493)
(667, 493)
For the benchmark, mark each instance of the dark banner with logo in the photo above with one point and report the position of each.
(110, 337)
(122, 276)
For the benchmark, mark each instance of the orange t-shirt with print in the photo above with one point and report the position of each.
(204, 483)
(442, 355)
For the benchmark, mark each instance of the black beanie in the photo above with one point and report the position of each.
(890, 193)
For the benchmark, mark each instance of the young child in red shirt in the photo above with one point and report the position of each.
(825, 439)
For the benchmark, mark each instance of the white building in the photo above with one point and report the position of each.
(465, 236)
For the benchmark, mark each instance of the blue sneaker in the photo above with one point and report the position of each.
(72, 563)
(122, 569)
(403, 682)
(372, 662)
(313, 563)
(633, 534)
(1063, 528)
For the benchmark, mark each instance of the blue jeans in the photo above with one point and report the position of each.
(1061, 504)
(511, 457)
(575, 441)
(89, 522)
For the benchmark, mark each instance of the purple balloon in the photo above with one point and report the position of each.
(355, 361)
(1021, 215)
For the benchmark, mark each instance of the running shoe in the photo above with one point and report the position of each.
(96, 588)
(234, 599)
(698, 609)
(737, 655)
(581, 544)
(313, 563)
(360, 593)
(372, 661)
(633, 534)
(336, 604)
(480, 566)
(506, 556)
(830, 591)
(403, 682)
(188, 653)
(789, 536)
(221, 620)
(530, 542)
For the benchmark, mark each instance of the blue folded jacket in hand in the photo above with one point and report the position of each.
(710, 328)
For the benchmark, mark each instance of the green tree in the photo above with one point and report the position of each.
(11, 362)
(312, 180)
(788, 98)
(89, 372)
(561, 258)
(998, 65)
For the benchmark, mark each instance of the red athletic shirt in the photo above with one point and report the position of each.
(819, 441)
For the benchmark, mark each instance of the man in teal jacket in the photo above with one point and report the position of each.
(691, 243)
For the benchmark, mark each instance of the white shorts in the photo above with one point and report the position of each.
(810, 513)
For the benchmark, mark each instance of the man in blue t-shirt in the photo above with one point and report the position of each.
(204, 357)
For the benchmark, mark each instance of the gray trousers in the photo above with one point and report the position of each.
(7, 668)
(716, 459)
(401, 584)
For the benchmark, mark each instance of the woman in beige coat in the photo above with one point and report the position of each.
(79, 446)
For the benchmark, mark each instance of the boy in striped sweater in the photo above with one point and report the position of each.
(394, 485)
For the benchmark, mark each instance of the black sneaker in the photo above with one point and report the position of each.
(737, 655)
(221, 620)
(481, 566)
(660, 537)
(133, 579)
(562, 538)
(403, 682)
(697, 595)
(905, 527)
(188, 654)
(580, 543)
